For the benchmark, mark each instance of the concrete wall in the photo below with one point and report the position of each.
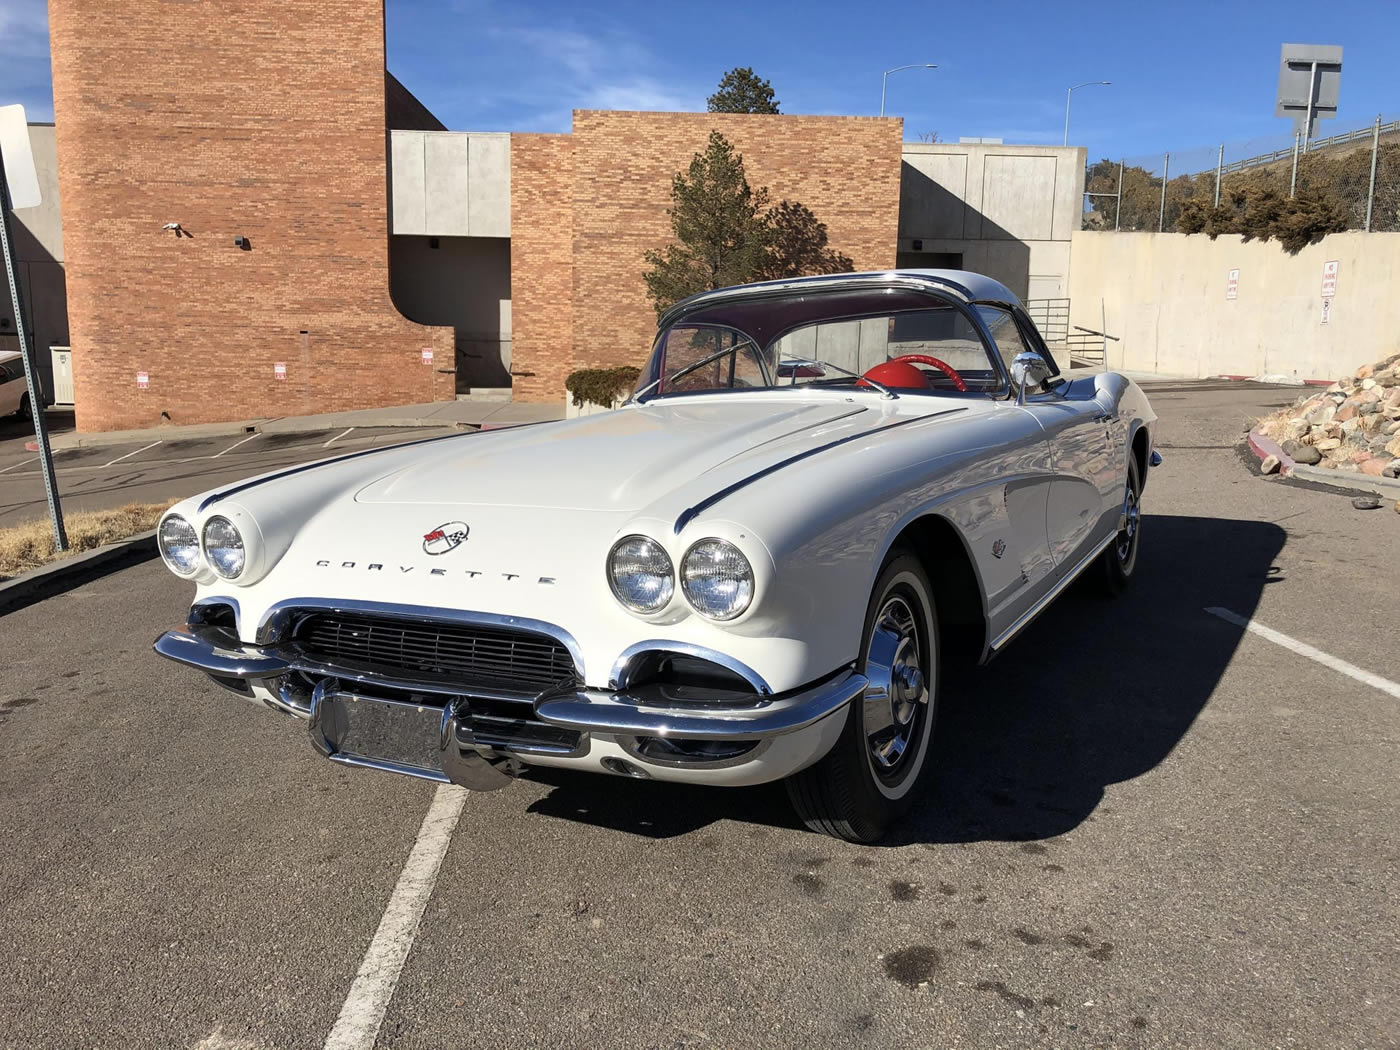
(450, 184)
(1009, 211)
(1165, 297)
(464, 282)
(38, 236)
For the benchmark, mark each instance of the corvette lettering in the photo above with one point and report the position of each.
(375, 566)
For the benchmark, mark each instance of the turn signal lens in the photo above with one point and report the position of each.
(223, 545)
(717, 579)
(640, 574)
(179, 545)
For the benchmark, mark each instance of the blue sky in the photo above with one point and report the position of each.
(1184, 74)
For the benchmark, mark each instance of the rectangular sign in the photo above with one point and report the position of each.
(427, 356)
(142, 380)
(1326, 310)
(20, 174)
(1232, 284)
(279, 370)
(1329, 278)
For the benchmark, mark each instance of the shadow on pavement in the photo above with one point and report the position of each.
(1094, 693)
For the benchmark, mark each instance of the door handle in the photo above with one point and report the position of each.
(1107, 417)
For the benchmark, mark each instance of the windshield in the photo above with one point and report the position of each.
(939, 349)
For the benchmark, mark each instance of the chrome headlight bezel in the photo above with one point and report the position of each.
(164, 545)
(691, 588)
(666, 589)
(220, 521)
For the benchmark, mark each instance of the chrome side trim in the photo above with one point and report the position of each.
(1054, 592)
(214, 497)
(619, 678)
(690, 513)
(594, 711)
(277, 620)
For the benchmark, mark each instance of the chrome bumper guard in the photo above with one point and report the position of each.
(638, 711)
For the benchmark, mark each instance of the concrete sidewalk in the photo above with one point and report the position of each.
(462, 413)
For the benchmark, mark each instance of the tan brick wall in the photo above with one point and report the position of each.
(846, 169)
(541, 265)
(248, 118)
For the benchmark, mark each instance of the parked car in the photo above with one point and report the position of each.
(14, 391)
(822, 491)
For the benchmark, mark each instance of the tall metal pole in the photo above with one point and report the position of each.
(1293, 179)
(1162, 210)
(1068, 92)
(36, 399)
(1219, 163)
(885, 78)
(1371, 189)
(1118, 206)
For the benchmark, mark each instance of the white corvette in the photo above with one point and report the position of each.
(822, 491)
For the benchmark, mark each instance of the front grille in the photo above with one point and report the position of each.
(454, 654)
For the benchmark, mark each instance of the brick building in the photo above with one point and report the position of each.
(338, 248)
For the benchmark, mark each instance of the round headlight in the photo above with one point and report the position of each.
(717, 579)
(223, 545)
(179, 544)
(640, 574)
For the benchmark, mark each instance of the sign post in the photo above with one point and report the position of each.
(15, 156)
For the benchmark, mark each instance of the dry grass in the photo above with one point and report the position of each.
(28, 546)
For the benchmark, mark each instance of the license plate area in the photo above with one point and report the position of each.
(393, 735)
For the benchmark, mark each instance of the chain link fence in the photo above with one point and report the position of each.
(1273, 186)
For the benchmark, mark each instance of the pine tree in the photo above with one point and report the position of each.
(741, 90)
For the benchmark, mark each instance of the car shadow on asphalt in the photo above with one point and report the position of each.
(1094, 693)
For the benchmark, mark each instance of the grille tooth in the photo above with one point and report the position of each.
(459, 654)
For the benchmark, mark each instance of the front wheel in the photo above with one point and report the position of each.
(23, 411)
(876, 770)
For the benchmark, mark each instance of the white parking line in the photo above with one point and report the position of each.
(241, 441)
(16, 466)
(153, 444)
(333, 440)
(357, 1027)
(1385, 685)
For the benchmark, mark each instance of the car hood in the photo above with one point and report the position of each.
(614, 461)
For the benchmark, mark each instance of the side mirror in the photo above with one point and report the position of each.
(1028, 372)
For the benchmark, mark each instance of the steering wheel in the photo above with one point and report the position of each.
(943, 366)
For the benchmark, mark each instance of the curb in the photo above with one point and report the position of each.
(1263, 447)
(48, 580)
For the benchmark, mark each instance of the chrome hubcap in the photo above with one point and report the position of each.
(1128, 524)
(896, 701)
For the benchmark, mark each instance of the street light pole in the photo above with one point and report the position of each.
(896, 69)
(1070, 92)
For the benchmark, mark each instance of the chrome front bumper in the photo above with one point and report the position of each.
(621, 715)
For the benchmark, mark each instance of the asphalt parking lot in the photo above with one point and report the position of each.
(1148, 827)
(92, 477)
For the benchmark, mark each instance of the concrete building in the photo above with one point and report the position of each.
(38, 247)
(339, 248)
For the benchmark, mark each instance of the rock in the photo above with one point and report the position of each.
(1269, 464)
(1364, 371)
(1327, 444)
(1322, 412)
(1368, 384)
(1392, 469)
(1368, 397)
(1372, 466)
(1366, 503)
(1307, 455)
(1393, 445)
(1335, 388)
(1350, 407)
(1393, 428)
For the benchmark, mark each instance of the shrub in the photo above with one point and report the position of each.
(600, 386)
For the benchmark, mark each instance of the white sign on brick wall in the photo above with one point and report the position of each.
(142, 380)
(279, 370)
(427, 356)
